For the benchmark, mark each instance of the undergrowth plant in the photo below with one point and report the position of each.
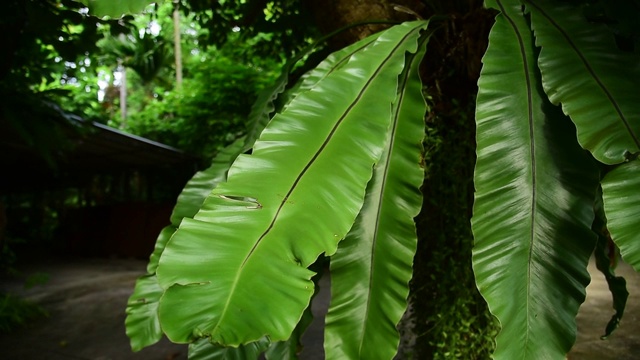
(337, 171)
(16, 312)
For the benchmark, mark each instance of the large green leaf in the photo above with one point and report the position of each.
(142, 323)
(606, 260)
(595, 82)
(115, 8)
(204, 350)
(237, 271)
(371, 270)
(533, 204)
(621, 205)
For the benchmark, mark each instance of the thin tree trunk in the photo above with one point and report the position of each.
(331, 15)
(177, 45)
(123, 93)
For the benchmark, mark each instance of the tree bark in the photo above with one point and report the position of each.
(331, 15)
(123, 93)
(450, 315)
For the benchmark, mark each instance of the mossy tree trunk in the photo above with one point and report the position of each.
(449, 314)
(451, 319)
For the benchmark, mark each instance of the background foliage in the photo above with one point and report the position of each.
(211, 108)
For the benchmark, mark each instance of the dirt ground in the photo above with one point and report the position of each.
(594, 314)
(86, 300)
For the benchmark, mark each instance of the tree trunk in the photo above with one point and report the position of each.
(331, 15)
(176, 43)
(451, 319)
(123, 93)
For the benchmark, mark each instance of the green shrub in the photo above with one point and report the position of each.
(16, 312)
(210, 110)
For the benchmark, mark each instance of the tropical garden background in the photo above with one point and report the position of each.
(509, 162)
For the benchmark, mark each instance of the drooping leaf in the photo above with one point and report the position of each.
(204, 350)
(371, 270)
(293, 198)
(621, 203)
(141, 324)
(533, 202)
(606, 259)
(595, 82)
(617, 286)
(115, 8)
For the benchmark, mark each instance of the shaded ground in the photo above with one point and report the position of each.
(594, 314)
(86, 301)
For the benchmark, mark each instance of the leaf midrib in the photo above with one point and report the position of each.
(526, 65)
(383, 185)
